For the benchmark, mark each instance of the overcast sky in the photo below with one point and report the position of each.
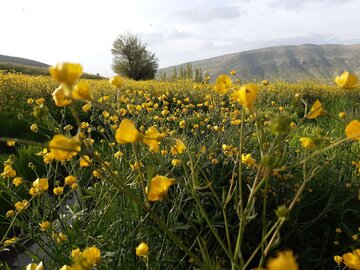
(177, 31)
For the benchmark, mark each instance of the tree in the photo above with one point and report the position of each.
(132, 59)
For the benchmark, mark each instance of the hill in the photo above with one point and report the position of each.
(23, 65)
(290, 63)
(31, 67)
(21, 61)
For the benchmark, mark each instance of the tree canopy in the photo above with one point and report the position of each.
(132, 59)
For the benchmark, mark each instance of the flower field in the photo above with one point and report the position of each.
(118, 174)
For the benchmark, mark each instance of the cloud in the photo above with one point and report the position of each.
(299, 4)
(206, 14)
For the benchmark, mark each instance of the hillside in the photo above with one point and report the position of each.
(31, 67)
(21, 61)
(290, 63)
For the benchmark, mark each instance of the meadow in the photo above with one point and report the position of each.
(174, 174)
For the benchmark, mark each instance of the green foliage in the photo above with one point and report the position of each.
(101, 213)
(132, 59)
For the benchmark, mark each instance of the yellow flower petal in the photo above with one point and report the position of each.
(246, 95)
(66, 73)
(284, 261)
(63, 148)
(316, 110)
(158, 188)
(142, 249)
(352, 260)
(222, 84)
(116, 81)
(127, 132)
(178, 148)
(352, 130)
(307, 143)
(152, 139)
(81, 91)
(61, 97)
(347, 80)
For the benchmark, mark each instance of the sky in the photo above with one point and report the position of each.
(176, 31)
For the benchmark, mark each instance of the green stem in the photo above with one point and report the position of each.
(141, 176)
(239, 200)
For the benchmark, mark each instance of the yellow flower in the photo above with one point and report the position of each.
(142, 250)
(60, 237)
(66, 73)
(158, 188)
(10, 241)
(127, 132)
(116, 81)
(75, 253)
(34, 266)
(176, 162)
(41, 185)
(182, 124)
(17, 181)
(34, 128)
(222, 84)
(40, 101)
(347, 80)
(284, 261)
(178, 148)
(247, 159)
(233, 72)
(81, 91)
(63, 148)
(352, 130)
(96, 173)
(316, 110)
(152, 139)
(352, 260)
(32, 191)
(357, 165)
(48, 157)
(10, 214)
(136, 166)
(61, 97)
(246, 95)
(58, 191)
(338, 259)
(8, 172)
(44, 226)
(342, 115)
(30, 101)
(85, 161)
(307, 143)
(10, 143)
(119, 154)
(265, 83)
(69, 180)
(67, 267)
(86, 107)
(21, 205)
(92, 255)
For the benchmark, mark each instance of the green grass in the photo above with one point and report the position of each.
(104, 216)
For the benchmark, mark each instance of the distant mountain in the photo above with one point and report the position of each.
(21, 61)
(290, 63)
(23, 65)
(31, 67)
